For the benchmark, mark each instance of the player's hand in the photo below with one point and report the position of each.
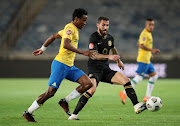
(120, 64)
(113, 57)
(155, 51)
(87, 53)
(93, 55)
(37, 52)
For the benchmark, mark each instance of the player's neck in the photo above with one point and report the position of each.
(148, 30)
(75, 24)
(103, 36)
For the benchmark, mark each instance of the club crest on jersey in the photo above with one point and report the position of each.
(144, 38)
(91, 45)
(68, 32)
(109, 43)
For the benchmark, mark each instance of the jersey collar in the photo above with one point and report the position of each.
(74, 26)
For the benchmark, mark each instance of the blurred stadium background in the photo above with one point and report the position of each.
(26, 24)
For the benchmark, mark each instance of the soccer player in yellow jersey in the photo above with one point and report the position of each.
(63, 64)
(145, 45)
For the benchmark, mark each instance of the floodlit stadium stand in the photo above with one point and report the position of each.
(26, 24)
(127, 20)
(7, 9)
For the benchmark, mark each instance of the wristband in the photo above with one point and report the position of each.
(43, 48)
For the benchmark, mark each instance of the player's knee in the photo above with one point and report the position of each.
(126, 80)
(138, 78)
(50, 93)
(153, 78)
(89, 85)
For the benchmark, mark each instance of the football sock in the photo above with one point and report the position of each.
(150, 85)
(134, 81)
(33, 107)
(82, 102)
(73, 95)
(131, 93)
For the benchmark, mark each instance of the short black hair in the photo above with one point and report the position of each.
(79, 13)
(103, 18)
(149, 19)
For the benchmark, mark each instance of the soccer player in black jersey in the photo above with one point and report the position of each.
(98, 69)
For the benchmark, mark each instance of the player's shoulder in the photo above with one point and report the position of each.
(70, 26)
(94, 35)
(109, 36)
(144, 32)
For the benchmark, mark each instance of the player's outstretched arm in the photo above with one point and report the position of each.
(46, 43)
(68, 46)
(97, 56)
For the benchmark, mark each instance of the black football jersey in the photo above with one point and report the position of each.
(103, 46)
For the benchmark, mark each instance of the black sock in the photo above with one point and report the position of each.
(82, 102)
(131, 93)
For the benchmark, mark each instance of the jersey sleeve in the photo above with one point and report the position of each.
(112, 46)
(68, 32)
(93, 42)
(60, 33)
(143, 38)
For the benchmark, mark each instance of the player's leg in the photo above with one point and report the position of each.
(119, 78)
(153, 78)
(80, 77)
(83, 100)
(37, 103)
(134, 81)
(45, 96)
(54, 82)
(85, 84)
(138, 78)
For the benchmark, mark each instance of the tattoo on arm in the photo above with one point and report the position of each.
(93, 50)
(114, 51)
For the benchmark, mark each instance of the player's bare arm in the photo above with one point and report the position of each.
(68, 46)
(97, 56)
(46, 43)
(119, 62)
(155, 51)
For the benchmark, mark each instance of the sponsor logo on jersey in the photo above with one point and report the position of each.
(68, 32)
(109, 43)
(99, 43)
(91, 46)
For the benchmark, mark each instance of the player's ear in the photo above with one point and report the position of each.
(146, 24)
(76, 19)
(97, 24)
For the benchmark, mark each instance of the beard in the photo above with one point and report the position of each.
(103, 33)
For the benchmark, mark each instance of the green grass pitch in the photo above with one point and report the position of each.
(103, 109)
